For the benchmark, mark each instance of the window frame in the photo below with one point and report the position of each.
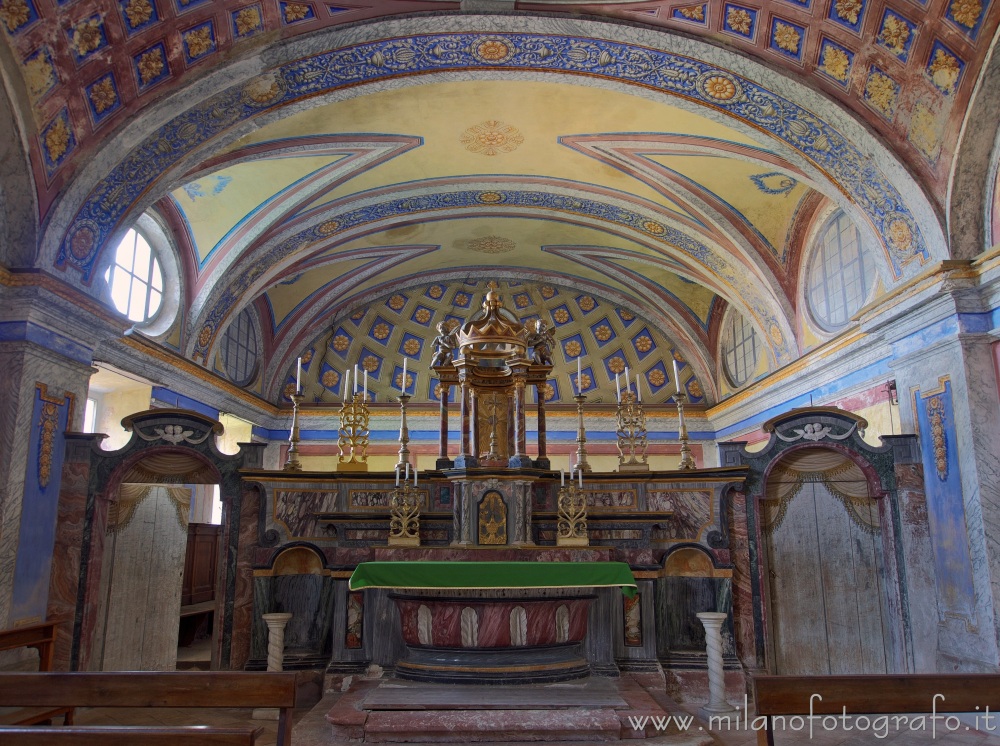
(819, 260)
(727, 338)
(254, 334)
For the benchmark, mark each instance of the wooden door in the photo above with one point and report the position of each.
(826, 589)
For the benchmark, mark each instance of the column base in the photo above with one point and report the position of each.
(519, 462)
(542, 463)
(444, 463)
(466, 462)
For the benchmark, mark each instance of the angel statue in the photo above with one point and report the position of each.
(444, 344)
(541, 340)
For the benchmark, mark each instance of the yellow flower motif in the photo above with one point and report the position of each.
(409, 380)
(584, 381)
(262, 89)
(561, 315)
(895, 33)
(247, 20)
(694, 388)
(694, 13)
(603, 333)
(205, 336)
(138, 12)
(925, 130)
(573, 348)
(436, 292)
(587, 303)
(370, 363)
(849, 10)
(39, 75)
(103, 95)
(786, 37)
(616, 365)
(341, 342)
(881, 91)
(462, 299)
(150, 65)
(198, 41)
(739, 20)
(644, 344)
(307, 356)
(397, 302)
(836, 63)
(438, 389)
(15, 13)
(548, 291)
(295, 12)
(944, 70)
(358, 315)
(678, 357)
(411, 346)
(492, 137)
(656, 377)
(626, 315)
(900, 235)
(422, 315)
(381, 331)
(521, 301)
(548, 391)
(57, 140)
(490, 198)
(289, 390)
(493, 50)
(967, 12)
(87, 36)
(330, 379)
(651, 226)
(720, 88)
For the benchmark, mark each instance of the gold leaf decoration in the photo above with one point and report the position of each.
(150, 65)
(57, 140)
(15, 13)
(967, 12)
(103, 95)
(944, 70)
(694, 13)
(880, 90)
(87, 36)
(739, 20)
(199, 41)
(138, 12)
(247, 20)
(296, 12)
(836, 63)
(39, 75)
(786, 37)
(492, 137)
(849, 10)
(894, 34)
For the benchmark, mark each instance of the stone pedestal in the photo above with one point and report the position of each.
(717, 704)
(275, 655)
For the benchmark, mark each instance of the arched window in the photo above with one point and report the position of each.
(239, 349)
(739, 349)
(135, 279)
(841, 274)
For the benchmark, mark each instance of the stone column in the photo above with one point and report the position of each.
(519, 458)
(465, 458)
(717, 704)
(474, 424)
(543, 458)
(443, 462)
(276, 623)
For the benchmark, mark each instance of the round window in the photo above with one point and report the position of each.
(135, 279)
(739, 349)
(239, 349)
(841, 274)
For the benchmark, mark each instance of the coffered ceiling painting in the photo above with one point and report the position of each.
(351, 178)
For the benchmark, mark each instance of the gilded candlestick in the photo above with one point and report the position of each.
(687, 460)
(404, 432)
(581, 436)
(292, 458)
(632, 438)
(354, 432)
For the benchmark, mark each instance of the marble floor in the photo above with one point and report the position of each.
(312, 729)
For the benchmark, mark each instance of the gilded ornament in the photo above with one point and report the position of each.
(561, 315)
(836, 63)
(330, 378)
(925, 130)
(15, 13)
(694, 388)
(436, 292)
(307, 356)
(398, 380)
(247, 21)
(358, 315)
(199, 41)
(880, 90)
(492, 244)
(370, 363)
(381, 331)
(616, 365)
(678, 356)
(296, 12)
(205, 336)
(849, 10)
(262, 89)
(720, 88)
(289, 390)
(967, 12)
(739, 20)
(522, 301)
(643, 344)
(894, 34)
(491, 198)
(786, 37)
(603, 333)
(548, 391)
(138, 12)
(694, 13)
(626, 315)
(341, 342)
(944, 70)
(462, 299)
(396, 302)
(573, 348)
(47, 426)
(39, 75)
(103, 95)
(900, 235)
(656, 377)
(57, 139)
(492, 137)
(587, 303)
(651, 226)
(411, 346)
(584, 381)
(422, 315)
(547, 291)
(936, 414)
(493, 50)
(328, 227)
(150, 65)
(82, 242)
(87, 36)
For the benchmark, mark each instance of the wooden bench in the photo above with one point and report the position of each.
(41, 637)
(933, 695)
(202, 689)
(127, 735)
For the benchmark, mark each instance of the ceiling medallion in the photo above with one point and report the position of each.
(492, 245)
(492, 50)
(492, 137)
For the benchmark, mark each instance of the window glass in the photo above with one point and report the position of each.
(135, 279)
(239, 349)
(841, 274)
(739, 349)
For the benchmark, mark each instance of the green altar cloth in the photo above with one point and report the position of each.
(480, 575)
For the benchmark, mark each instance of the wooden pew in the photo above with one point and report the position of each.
(41, 637)
(209, 689)
(127, 735)
(894, 694)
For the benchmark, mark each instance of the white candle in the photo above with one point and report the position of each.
(355, 378)
(562, 478)
(407, 476)
(628, 383)
(618, 388)
(347, 384)
(580, 474)
(677, 375)
(365, 398)
(298, 377)
(579, 377)
(397, 475)
(638, 391)
(402, 381)
(414, 475)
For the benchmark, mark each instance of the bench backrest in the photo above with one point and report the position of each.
(876, 694)
(149, 689)
(39, 636)
(128, 736)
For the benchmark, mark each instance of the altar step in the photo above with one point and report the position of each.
(590, 711)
